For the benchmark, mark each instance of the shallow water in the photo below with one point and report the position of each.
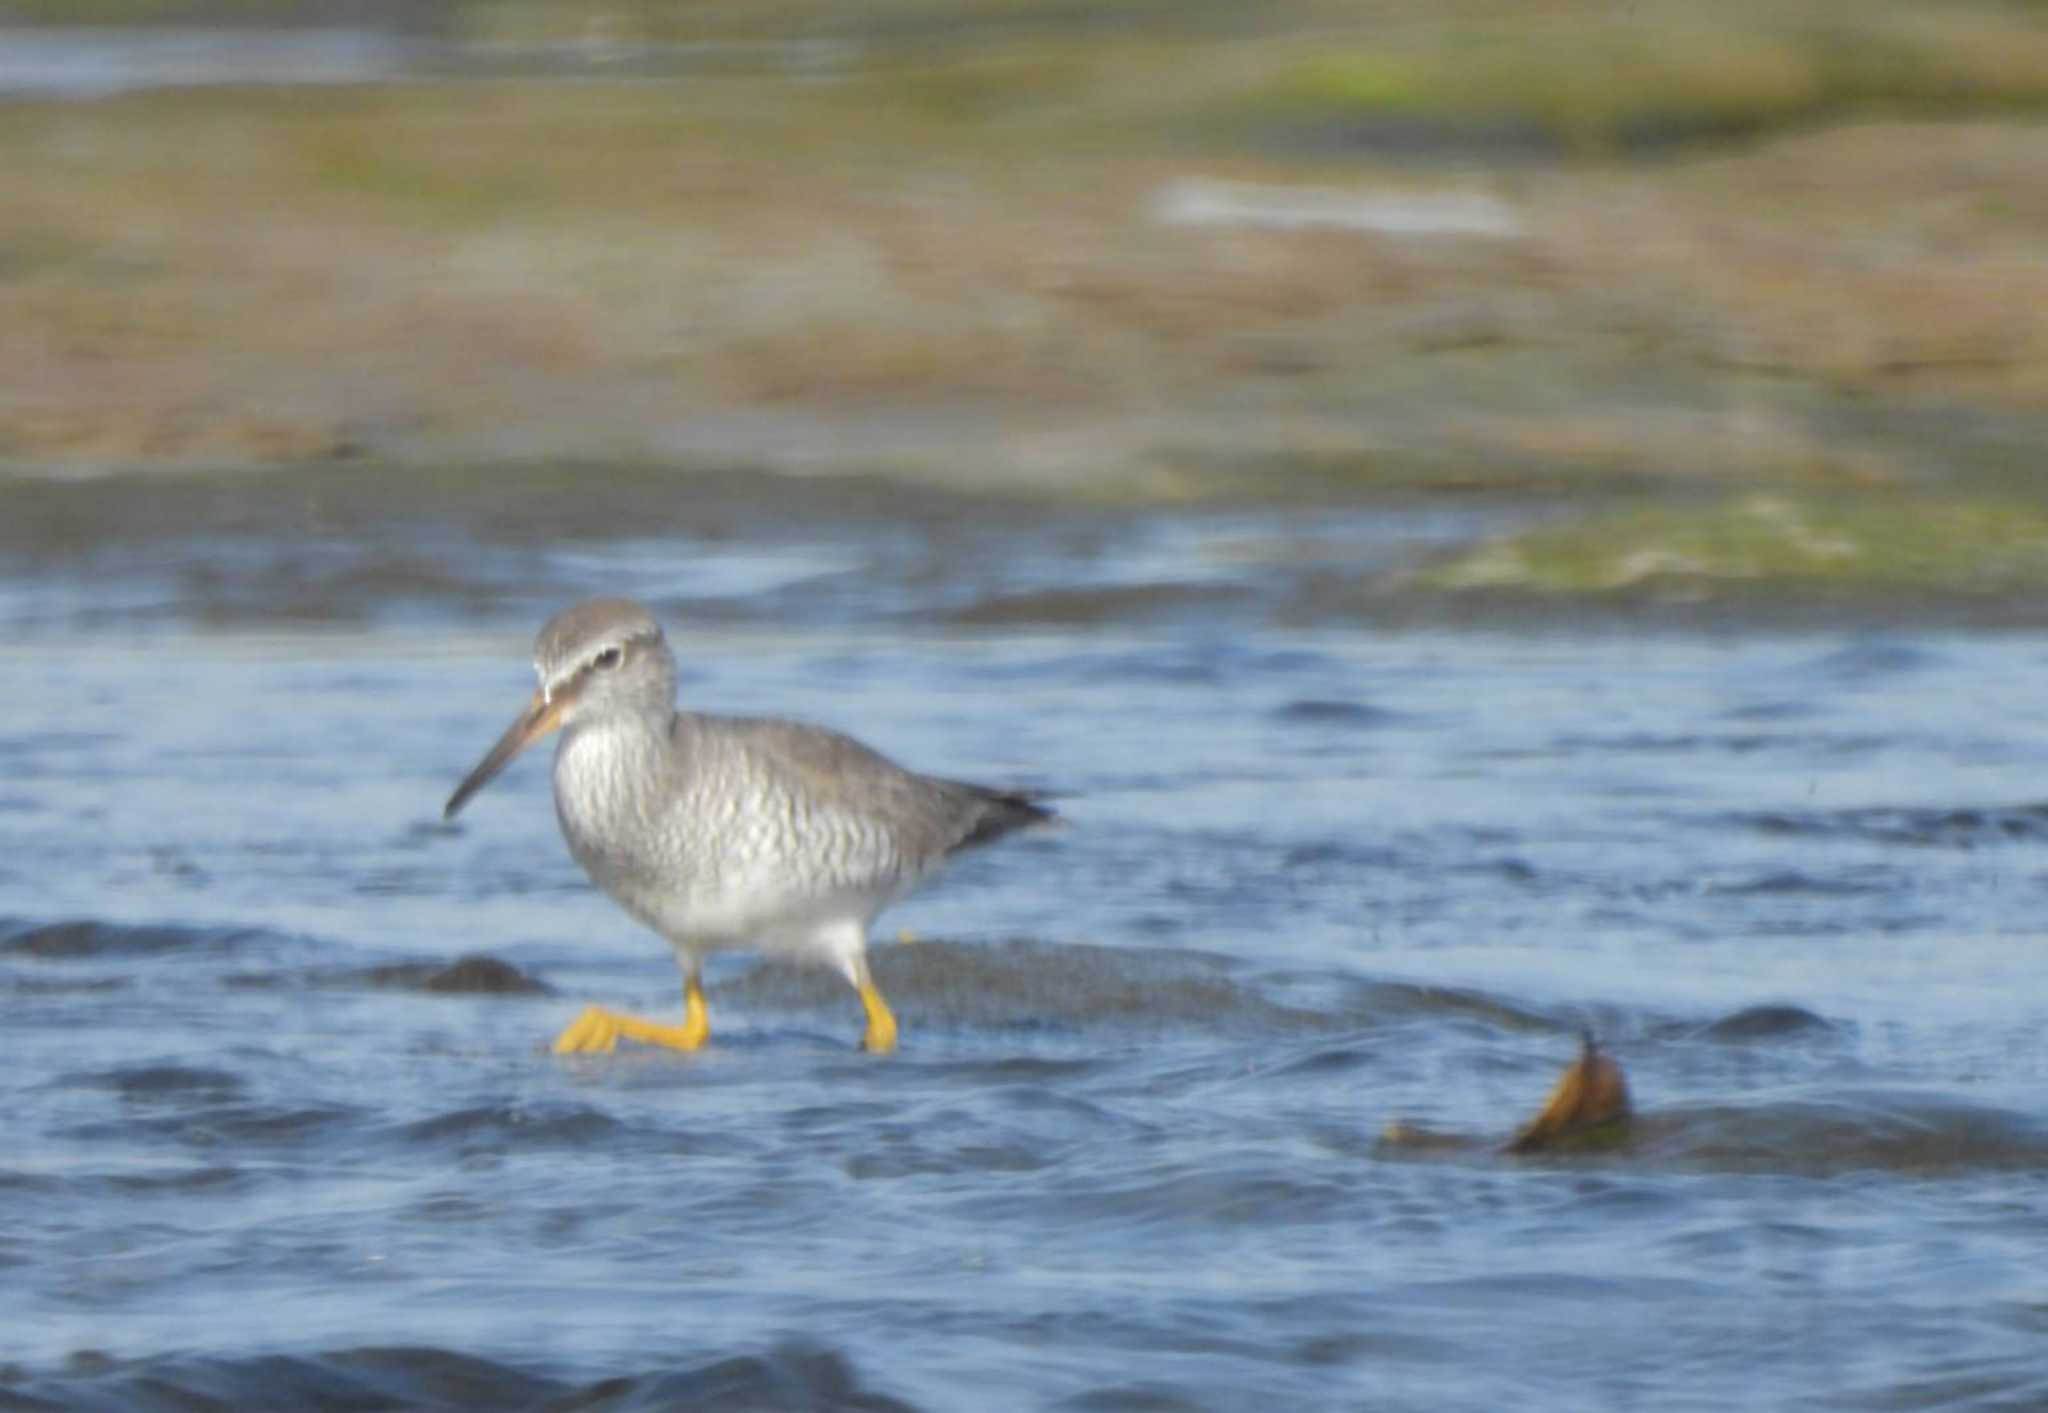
(101, 61)
(264, 1142)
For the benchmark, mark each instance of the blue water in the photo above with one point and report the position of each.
(263, 1143)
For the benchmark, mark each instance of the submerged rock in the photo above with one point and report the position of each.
(469, 976)
(1769, 1022)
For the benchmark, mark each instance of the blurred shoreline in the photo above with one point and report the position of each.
(1740, 312)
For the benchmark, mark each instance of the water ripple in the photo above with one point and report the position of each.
(791, 1375)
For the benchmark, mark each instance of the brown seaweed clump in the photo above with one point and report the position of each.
(1590, 1101)
(1591, 1094)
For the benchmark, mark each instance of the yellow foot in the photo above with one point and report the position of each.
(598, 1032)
(881, 1034)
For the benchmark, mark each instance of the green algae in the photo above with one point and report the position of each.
(1588, 83)
(1976, 546)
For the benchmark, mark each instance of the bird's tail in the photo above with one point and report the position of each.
(1004, 812)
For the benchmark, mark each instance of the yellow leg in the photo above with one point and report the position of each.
(598, 1031)
(881, 1036)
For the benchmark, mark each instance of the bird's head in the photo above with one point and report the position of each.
(601, 658)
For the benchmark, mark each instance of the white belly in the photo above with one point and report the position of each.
(761, 914)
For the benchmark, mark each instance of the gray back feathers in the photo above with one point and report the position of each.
(919, 818)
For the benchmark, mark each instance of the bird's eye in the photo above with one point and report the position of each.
(608, 659)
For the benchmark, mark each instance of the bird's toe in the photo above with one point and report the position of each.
(595, 1032)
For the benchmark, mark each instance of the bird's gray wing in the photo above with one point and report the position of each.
(837, 801)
